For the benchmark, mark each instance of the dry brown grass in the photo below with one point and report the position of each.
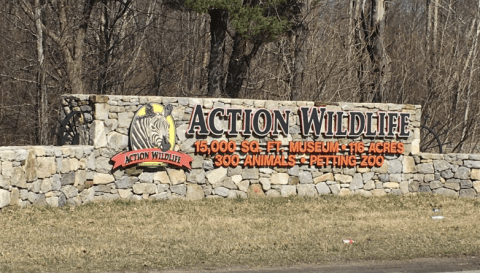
(217, 232)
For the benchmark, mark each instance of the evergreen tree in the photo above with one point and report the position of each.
(248, 17)
(254, 21)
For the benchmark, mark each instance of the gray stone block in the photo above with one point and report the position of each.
(418, 177)
(404, 186)
(197, 162)
(234, 171)
(349, 171)
(357, 182)
(472, 164)
(436, 184)
(164, 187)
(446, 192)
(179, 189)
(265, 182)
(452, 185)
(384, 177)
(68, 178)
(4, 198)
(160, 196)
(447, 174)
(111, 196)
(369, 185)
(69, 191)
(468, 193)
(322, 188)
(293, 180)
(462, 173)
(229, 184)
(187, 145)
(306, 190)
(125, 182)
(272, 193)
(466, 184)
(429, 177)
(46, 185)
(441, 165)
(424, 188)
(207, 189)
(293, 170)
(425, 168)
(40, 201)
(196, 176)
(221, 191)
(178, 176)
(396, 177)
(146, 177)
(335, 188)
(118, 173)
(103, 188)
(250, 173)
(413, 186)
(396, 192)
(368, 176)
(23, 194)
(62, 200)
(395, 166)
(194, 192)
(287, 190)
(118, 141)
(474, 157)
(145, 188)
(305, 177)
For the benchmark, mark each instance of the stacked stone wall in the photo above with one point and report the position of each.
(79, 174)
(46, 175)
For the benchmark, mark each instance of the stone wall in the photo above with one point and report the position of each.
(78, 174)
(112, 116)
(42, 175)
(411, 172)
(445, 174)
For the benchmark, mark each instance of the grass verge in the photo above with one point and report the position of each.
(120, 235)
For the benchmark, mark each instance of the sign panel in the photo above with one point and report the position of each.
(315, 122)
(152, 138)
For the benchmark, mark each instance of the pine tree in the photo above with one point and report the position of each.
(255, 22)
(248, 17)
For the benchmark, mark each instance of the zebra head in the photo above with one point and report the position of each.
(150, 131)
(159, 128)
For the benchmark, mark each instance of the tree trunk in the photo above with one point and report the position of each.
(218, 29)
(466, 114)
(351, 42)
(104, 45)
(239, 64)
(300, 53)
(74, 73)
(429, 24)
(382, 60)
(435, 27)
(42, 101)
(362, 57)
(377, 60)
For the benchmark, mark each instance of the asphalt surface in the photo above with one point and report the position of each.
(463, 264)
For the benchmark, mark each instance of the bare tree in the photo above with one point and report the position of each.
(409, 52)
(69, 34)
(368, 27)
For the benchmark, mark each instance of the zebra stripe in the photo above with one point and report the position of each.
(148, 131)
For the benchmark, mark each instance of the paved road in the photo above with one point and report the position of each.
(467, 264)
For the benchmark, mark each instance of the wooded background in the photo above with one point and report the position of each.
(403, 51)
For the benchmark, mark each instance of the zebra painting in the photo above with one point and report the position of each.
(151, 130)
